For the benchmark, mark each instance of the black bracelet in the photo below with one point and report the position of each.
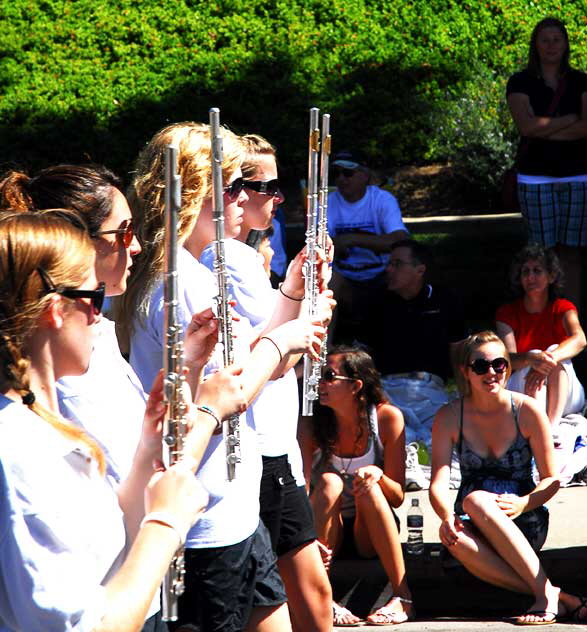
(275, 345)
(212, 413)
(291, 298)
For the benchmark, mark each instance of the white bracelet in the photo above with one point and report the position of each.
(169, 520)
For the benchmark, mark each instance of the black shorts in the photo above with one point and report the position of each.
(224, 584)
(348, 548)
(285, 507)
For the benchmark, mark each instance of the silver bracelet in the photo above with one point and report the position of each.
(210, 411)
(169, 520)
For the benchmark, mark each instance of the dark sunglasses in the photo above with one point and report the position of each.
(125, 234)
(481, 366)
(347, 173)
(329, 376)
(233, 190)
(266, 187)
(96, 296)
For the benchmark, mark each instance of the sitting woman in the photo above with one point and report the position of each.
(499, 520)
(542, 334)
(357, 447)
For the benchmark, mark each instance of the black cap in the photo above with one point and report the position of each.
(349, 159)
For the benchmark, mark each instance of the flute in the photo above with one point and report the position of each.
(231, 425)
(316, 236)
(175, 423)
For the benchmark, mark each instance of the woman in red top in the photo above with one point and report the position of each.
(542, 334)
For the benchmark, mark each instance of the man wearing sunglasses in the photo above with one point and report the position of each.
(415, 344)
(363, 221)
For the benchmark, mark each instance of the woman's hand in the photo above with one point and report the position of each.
(223, 392)
(294, 285)
(299, 336)
(511, 504)
(178, 492)
(200, 339)
(365, 478)
(450, 529)
(534, 382)
(325, 554)
(325, 306)
(151, 433)
(542, 362)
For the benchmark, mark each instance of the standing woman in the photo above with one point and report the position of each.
(499, 521)
(232, 581)
(548, 102)
(62, 533)
(357, 444)
(285, 508)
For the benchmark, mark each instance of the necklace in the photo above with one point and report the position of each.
(345, 467)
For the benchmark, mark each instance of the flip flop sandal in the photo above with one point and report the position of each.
(552, 618)
(339, 613)
(392, 616)
(575, 614)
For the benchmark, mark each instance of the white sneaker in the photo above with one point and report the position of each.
(415, 478)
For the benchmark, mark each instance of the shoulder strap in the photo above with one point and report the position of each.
(460, 442)
(515, 412)
(556, 97)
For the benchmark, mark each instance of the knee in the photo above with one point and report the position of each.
(328, 489)
(479, 503)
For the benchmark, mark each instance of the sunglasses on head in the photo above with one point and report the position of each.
(347, 173)
(96, 296)
(125, 233)
(480, 366)
(234, 189)
(265, 187)
(329, 376)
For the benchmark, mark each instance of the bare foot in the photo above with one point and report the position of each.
(341, 616)
(544, 610)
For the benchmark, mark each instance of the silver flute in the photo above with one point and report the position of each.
(175, 423)
(231, 425)
(316, 237)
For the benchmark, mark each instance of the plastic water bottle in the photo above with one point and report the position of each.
(415, 544)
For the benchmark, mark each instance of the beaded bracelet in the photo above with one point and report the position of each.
(169, 520)
(291, 298)
(209, 411)
(275, 345)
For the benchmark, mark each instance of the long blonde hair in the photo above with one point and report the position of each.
(30, 242)
(146, 197)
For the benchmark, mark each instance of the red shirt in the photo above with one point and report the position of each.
(539, 330)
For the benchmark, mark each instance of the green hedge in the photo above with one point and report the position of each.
(82, 79)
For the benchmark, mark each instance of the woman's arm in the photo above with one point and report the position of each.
(533, 126)
(390, 422)
(443, 438)
(575, 343)
(577, 130)
(542, 362)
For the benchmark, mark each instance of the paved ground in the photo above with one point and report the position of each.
(565, 552)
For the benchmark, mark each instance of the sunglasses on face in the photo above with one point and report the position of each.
(125, 233)
(234, 189)
(329, 376)
(480, 366)
(96, 296)
(347, 173)
(265, 187)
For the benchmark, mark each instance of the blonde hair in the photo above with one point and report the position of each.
(29, 242)
(146, 197)
(255, 146)
(469, 346)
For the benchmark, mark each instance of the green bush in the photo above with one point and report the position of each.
(94, 80)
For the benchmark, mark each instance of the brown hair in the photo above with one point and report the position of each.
(469, 346)
(534, 65)
(254, 146)
(147, 200)
(29, 242)
(86, 189)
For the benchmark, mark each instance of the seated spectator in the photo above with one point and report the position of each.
(542, 334)
(363, 221)
(417, 333)
(353, 452)
(499, 521)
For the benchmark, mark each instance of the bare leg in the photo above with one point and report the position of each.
(269, 619)
(375, 531)
(308, 589)
(557, 393)
(511, 545)
(326, 502)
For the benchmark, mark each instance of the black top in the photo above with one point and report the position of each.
(540, 156)
(415, 335)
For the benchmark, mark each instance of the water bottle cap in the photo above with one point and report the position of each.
(415, 502)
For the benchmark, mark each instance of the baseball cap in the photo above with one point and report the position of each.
(349, 159)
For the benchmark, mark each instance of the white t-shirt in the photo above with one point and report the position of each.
(274, 413)
(108, 401)
(378, 213)
(62, 534)
(233, 511)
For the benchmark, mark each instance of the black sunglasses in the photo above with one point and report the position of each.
(125, 234)
(233, 190)
(96, 296)
(329, 376)
(266, 187)
(347, 173)
(480, 366)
